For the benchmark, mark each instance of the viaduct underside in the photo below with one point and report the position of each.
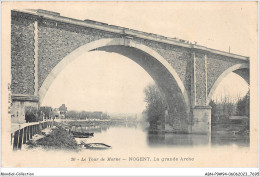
(43, 43)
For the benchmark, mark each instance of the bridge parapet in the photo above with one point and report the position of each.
(126, 31)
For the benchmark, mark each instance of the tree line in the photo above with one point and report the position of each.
(86, 115)
(32, 114)
(220, 112)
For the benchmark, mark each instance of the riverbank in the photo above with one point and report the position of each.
(110, 122)
(230, 129)
(55, 138)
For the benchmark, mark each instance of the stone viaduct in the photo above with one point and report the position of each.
(43, 43)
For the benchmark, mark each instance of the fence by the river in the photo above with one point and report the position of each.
(24, 132)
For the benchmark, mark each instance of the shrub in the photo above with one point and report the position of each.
(58, 139)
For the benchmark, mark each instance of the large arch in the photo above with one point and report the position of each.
(113, 45)
(240, 69)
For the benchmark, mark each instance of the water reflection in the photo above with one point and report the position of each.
(239, 140)
(167, 139)
(115, 135)
(161, 139)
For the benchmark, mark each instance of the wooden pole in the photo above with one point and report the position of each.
(27, 133)
(24, 135)
(20, 139)
(15, 140)
(33, 130)
(11, 138)
(30, 132)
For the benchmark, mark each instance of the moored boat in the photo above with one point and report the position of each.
(81, 134)
(97, 146)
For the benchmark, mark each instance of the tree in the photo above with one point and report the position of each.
(83, 114)
(243, 107)
(156, 105)
(47, 111)
(31, 114)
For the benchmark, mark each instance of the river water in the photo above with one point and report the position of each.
(132, 146)
(133, 135)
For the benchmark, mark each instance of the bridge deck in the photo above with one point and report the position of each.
(127, 32)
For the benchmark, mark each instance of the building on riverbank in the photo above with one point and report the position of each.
(63, 111)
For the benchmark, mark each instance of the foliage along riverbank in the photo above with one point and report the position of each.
(58, 138)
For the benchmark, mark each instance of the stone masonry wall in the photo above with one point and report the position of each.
(178, 57)
(56, 40)
(200, 79)
(216, 66)
(22, 56)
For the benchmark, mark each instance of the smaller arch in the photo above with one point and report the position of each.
(223, 75)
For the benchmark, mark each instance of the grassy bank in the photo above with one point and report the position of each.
(57, 139)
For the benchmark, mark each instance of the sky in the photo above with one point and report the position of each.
(219, 26)
(117, 80)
